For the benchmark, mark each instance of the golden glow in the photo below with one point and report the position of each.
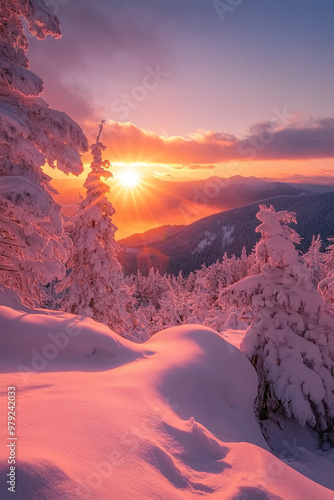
(129, 178)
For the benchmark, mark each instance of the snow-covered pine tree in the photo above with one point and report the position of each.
(326, 285)
(190, 282)
(200, 305)
(150, 289)
(290, 341)
(235, 320)
(174, 308)
(244, 264)
(95, 285)
(155, 301)
(329, 255)
(326, 288)
(315, 260)
(33, 246)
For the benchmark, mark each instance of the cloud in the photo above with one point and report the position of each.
(194, 167)
(327, 171)
(128, 143)
(73, 100)
(98, 31)
(315, 140)
(103, 44)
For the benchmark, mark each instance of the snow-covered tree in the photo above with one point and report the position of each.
(33, 246)
(157, 300)
(326, 285)
(315, 260)
(235, 320)
(151, 289)
(290, 340)
(326, 288)
(329, 256)
(95, 286)
(244, 263)
(174, 307)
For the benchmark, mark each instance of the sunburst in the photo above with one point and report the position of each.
(129, 178)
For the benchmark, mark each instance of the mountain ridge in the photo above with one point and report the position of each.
(206, 240)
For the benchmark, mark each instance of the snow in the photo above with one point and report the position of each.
(11, 123)
(227, 236)
(34, 246)
(207, 241)
(100, 417)
(41, 19)
(105, 418)
(17, 188)
(95, 284)
(20, 80)
(290, 338)
(226, 239)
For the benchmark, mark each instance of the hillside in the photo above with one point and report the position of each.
(160, 202)
(206, 240)
(151, 236)
(101, 417)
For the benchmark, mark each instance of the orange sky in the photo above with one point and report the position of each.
(187, 96)
(270, 149)
(295, 152)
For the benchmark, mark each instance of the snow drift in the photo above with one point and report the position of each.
(99, 417)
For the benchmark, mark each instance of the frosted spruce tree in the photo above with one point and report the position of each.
(95, 285)
(326, 285)
(315, 260)
(33, 246)
(174, 307)
(326, 288)
(290, 340)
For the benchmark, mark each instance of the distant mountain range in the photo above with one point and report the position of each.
(174, 248)
(160, 202)
(151, 236)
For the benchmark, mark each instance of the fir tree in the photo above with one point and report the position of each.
(326, 285)
(290, 340)
(33, 245)
(95, 286)
(315, 260)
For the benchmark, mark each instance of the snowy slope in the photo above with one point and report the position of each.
(229, 231)
(102, 418)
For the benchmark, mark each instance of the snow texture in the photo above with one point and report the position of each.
(33, 244)
(94, 286)
(102, 417)
(290, 340)
(206, 242)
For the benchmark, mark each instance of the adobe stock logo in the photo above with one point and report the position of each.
(153, 78)
(55, 343)
(224, 7)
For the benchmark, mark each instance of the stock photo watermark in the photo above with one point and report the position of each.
(249, 148)
(256, 143)
(130, 440)
(210, 190)
(56, 342)
(225, 7)
(11, 439)
(152, 79)
(259, 481)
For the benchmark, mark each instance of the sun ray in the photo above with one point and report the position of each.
(129, 178)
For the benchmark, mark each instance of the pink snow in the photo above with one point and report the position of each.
(104, 418)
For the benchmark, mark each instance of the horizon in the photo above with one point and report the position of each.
(157, 202)
(189, 91)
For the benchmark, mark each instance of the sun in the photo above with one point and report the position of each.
(129, 178)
